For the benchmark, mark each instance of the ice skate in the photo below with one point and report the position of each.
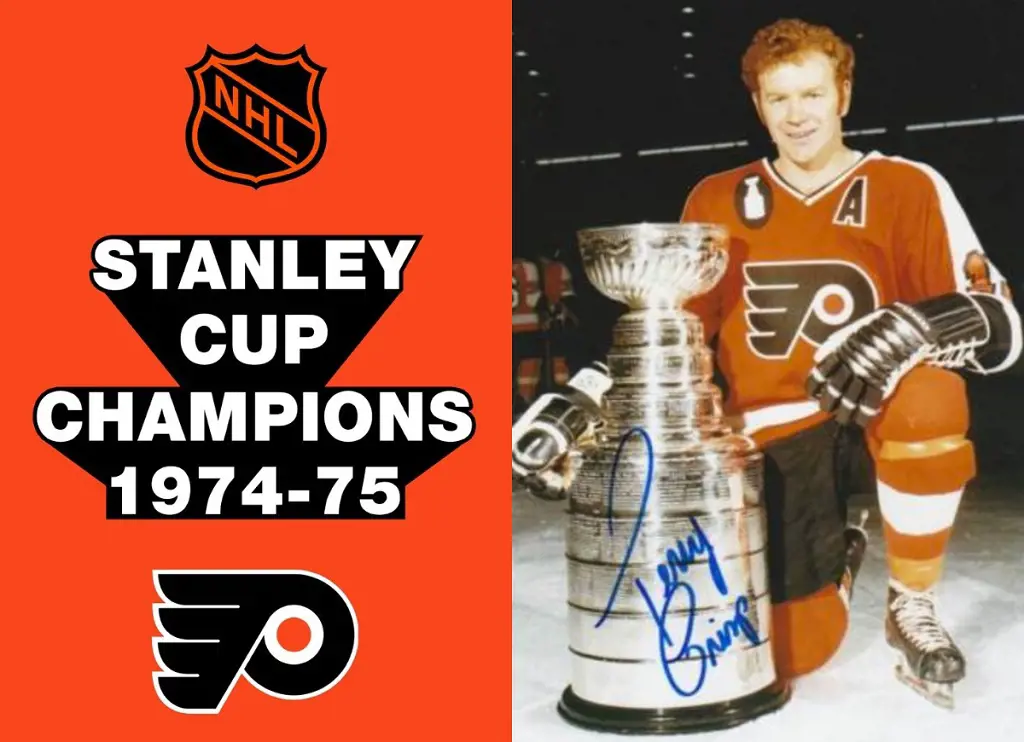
(929, 662)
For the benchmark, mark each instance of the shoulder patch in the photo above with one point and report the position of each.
(753, 200)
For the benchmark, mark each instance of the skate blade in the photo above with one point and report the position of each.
(939, 694)
(846, 588)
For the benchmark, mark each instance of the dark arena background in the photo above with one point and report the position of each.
(619, 109)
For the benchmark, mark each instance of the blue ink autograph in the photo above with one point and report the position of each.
(670, 572)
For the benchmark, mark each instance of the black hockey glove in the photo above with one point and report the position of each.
(859, 367)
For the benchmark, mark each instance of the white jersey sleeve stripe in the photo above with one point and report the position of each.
(962, 241)
(960, 234)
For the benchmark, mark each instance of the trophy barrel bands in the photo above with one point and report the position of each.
(631, 540)
(651, 328)
(737, 673)
(710, 477)
(657, 347)
(678, 439)
(658, 366)
(597, 587)
(667, 572)
(676, 636)
(680, 407)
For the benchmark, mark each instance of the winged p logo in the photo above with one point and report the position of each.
(256, 116)
(809, 299)
(216, 626)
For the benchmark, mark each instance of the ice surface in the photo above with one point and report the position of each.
(856, 697)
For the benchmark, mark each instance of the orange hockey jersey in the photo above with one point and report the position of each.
(803, 266)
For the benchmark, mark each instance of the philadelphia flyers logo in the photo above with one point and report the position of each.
(217, 626)
(802, 299)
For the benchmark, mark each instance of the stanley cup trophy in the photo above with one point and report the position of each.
(668, 601)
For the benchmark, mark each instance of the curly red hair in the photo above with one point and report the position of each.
(788, 39)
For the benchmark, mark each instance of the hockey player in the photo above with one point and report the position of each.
(855, 284)
(856, 291)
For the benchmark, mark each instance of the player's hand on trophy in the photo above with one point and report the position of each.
(546, 452)
(557, 426)
(859, 366)
(554, 482)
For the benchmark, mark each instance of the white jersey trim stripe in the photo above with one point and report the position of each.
(962, 241)
(960, 234)
(820, 193)
(780, 414)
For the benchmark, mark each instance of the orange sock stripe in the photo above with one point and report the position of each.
(903, 546)
(927, 476)
(922, 449)
(917, 574)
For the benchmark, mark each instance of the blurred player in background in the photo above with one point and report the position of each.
(543, 325)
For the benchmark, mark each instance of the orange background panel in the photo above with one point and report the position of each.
(417, 101)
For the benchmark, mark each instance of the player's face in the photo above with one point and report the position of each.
(802, 107)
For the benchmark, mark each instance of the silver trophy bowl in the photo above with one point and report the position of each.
(669, 608)
(654, 266)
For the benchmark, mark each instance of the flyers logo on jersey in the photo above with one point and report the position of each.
(809, 299)
(255, 115)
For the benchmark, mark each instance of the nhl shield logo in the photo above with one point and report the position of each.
(256, 116)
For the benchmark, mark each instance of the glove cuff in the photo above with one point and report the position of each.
(955, 326)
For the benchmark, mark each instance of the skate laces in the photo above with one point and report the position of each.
(915, 615)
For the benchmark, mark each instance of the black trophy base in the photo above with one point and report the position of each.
(707, 718)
